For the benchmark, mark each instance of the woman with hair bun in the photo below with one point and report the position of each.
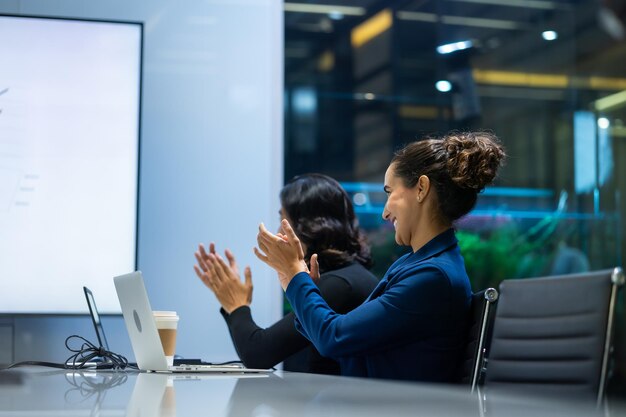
(411, 327)
(324, 221)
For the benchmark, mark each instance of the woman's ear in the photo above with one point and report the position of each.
(423, 188)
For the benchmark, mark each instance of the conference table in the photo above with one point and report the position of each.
(35, 391)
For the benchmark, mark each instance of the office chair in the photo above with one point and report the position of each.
(480, 319)
(553, 335)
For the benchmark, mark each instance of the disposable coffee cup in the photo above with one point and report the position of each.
(167, 323)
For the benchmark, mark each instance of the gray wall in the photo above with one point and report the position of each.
(211, 163)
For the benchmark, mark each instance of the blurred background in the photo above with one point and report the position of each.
(364, 77)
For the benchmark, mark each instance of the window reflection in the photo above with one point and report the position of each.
(547, 77)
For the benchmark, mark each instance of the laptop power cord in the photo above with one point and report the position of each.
(83, 357)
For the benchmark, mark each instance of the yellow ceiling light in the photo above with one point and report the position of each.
(520, 79)
(371, 28)
(606, 83)
(538, 80)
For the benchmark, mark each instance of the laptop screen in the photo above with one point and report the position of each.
(95, 317)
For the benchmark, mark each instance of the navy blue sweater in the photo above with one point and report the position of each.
(343, 288)
(411, 327)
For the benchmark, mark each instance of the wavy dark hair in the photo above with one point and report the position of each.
(322, 216)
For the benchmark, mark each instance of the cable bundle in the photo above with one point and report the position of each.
(83, 358)
(88, 352)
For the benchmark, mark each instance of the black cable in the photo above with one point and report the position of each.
(84, 356)
(81, 358)
(88, 352)
(35, 363)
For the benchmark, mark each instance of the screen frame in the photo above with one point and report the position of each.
(95, 318)
(140, 26)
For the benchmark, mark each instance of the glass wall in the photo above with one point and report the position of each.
(548, 77)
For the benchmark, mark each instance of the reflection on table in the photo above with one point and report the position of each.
(37, 392)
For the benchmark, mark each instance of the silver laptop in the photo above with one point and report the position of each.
(144, 336)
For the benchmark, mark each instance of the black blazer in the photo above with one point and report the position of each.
(343, 289)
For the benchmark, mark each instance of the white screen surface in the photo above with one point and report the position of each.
(69, 117)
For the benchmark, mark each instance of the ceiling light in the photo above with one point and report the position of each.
(324, 9)
(335, 15)
(359, 199)
(612, 102)
(460, 20)
(371, 28)
(453, 47)
(549, 35)
(603, 123)
(533, 4)
(443, 85)
(369, 96)
(304, 100)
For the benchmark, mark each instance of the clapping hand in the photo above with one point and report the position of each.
(223, 279)
(283, 252)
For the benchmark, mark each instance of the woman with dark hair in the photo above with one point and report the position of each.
(324, 221)
(412, 325)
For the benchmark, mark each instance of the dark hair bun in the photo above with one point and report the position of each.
(473, 158)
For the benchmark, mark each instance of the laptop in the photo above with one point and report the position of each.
(144, 336)
(100, 363)
(102, 340)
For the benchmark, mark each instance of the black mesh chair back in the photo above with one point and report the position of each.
(480, 319)
(554, 334)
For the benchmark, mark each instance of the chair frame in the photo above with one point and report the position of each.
(491, 296)
(617, 280)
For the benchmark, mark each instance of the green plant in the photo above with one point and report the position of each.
(496, 256)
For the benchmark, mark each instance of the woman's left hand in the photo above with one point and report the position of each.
(282, 252)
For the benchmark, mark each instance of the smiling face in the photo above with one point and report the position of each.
(402, 208)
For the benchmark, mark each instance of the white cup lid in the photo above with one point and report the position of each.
(164, 313)
(165, 316)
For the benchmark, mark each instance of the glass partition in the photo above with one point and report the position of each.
(548, 77)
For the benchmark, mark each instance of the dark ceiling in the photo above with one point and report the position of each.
(506, 33)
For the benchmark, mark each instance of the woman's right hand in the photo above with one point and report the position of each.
(202, 258)
(224, 279)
